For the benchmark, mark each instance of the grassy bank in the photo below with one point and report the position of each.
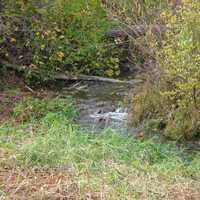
(47, 156)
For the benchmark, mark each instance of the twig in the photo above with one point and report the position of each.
(30, 89)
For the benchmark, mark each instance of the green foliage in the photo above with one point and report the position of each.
(61, 35)
(36, 108)
(92, 161)
(172, 92)
(59, 143)
(56, 140)
(65, 145)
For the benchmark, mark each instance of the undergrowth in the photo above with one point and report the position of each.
(124, 165)
(46, 37)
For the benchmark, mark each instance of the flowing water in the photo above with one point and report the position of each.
(101, 104)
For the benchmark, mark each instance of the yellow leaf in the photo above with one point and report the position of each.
(62, 37)
(13, 40)
(61, 55)
(56, 29)
(109, 72)
(42, 46)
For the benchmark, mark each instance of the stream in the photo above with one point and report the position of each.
(100, 104)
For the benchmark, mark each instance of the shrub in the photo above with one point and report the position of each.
(172, 92)
(62, 35)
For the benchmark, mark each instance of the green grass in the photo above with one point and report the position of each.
(109, 163)
(60, 143)
(36, 108)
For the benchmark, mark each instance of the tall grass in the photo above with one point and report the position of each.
(108, 165)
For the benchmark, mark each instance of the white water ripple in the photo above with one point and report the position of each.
(117, 115)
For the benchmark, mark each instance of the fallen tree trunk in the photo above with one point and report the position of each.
(89, 78)
(80, 77)
(65, 77)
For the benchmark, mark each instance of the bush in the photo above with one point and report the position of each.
(172, 92)
(62, 35)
